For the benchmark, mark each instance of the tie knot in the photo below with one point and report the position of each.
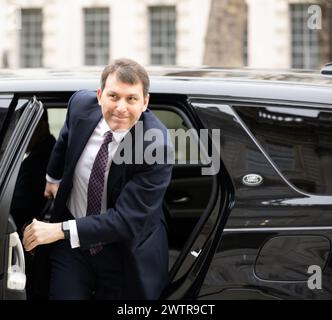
(108, 137)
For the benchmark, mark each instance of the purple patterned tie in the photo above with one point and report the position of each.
(96, 182)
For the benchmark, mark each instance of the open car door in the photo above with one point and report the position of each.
(191, 266)
(14, 145)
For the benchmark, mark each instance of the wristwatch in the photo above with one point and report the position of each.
(65, 229)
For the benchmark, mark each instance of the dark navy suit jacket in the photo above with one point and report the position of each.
(133, 227)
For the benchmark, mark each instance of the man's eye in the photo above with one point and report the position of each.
(112, 96)
(132, 99)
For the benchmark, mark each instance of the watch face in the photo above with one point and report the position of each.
(65, 229)
(66, 225)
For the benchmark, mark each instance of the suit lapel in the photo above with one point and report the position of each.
(82, 131)
(117, 171)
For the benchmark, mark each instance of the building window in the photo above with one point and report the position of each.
(305, 41)
(162, 35)
(31, 38)
(97, 35)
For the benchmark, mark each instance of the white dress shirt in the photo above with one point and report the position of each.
(77, 201)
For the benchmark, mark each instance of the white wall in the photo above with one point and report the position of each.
(269, 33)
(130, 29)
(192, 27)
(268, 36)
(2, 29)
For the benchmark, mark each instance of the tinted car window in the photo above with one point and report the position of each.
(5, 101)
(4, 104)
(185, 145)
(56, 119)
(298, 140)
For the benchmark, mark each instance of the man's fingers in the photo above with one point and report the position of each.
(27, 231)
(29, 236)
(29, 228)
(51, 190)
(30, 242)
(27, 243)
(48, 195)
(30, 245)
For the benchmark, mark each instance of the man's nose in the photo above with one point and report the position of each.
(121, 106)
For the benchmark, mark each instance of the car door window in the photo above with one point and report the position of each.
(185, 139)
(5, 101)
(298, 141)
(56, 118)
(10, 124)
(194, 202)
(11, 108)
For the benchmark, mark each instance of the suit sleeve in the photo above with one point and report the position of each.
(140, 200)
(56, 163)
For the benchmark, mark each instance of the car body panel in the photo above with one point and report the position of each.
(275, 209)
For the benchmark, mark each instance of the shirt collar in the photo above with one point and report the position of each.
(117, 136)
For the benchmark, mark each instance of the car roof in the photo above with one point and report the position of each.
(276, 85)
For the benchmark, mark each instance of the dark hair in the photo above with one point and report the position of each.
(127, 71)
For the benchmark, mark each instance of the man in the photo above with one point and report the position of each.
(115, 244)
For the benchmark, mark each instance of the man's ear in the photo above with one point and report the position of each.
(99, 92)
(146, 102)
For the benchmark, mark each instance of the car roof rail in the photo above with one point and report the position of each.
(327, 69)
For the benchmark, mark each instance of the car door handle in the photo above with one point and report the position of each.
(15, 272)
(180, 200)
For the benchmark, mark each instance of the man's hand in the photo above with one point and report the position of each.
(39, 232)
(50, 190)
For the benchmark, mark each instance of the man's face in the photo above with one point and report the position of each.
(121, 103)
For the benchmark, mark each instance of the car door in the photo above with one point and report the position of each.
(18, 127)
(188, 184)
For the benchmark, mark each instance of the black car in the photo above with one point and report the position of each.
(254, 222)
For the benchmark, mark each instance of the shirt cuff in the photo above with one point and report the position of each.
(51, 180)
(74, 240)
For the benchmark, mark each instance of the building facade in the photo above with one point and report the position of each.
(230, 33)
(60, 33)
(289, 33)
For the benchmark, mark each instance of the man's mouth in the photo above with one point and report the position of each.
(119, 117)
